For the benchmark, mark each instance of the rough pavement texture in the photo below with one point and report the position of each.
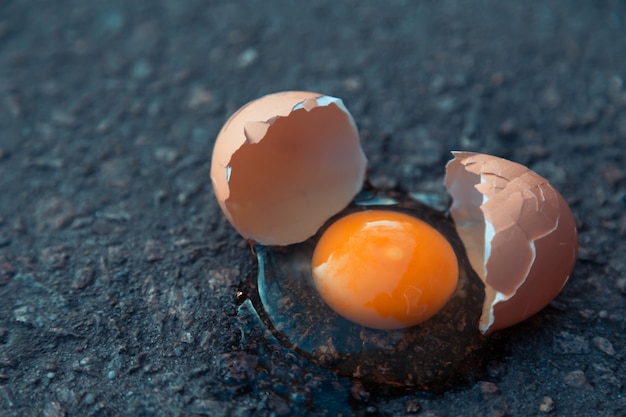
(119, 275)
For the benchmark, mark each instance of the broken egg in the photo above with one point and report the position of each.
(377, 284)
(519, 233)
(284, 164)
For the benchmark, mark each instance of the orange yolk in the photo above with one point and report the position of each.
(384, 269)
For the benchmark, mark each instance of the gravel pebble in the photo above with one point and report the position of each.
(568, 343)
(54, 409)
(83, 278)
(577, 379)
(489, 388)
(54, 213)
(412, 407)
(154, 250)
(166, 155)
(604, 345)
(90, 399)
(359, 393)
(54, 257)
(547, 405)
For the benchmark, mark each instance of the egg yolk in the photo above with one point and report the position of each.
(384, 269)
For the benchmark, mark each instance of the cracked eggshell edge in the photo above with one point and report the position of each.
(519, 233)
(334, 158)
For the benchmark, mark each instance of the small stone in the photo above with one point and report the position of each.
(166, 155)
(547, 405)
(81, 222)
(54, 257)
(247, 58)
(353, 84)
(117, 255)
(587, 314)
(142, 69)
(577, 379)
(383, 181)
(159, 196)
(87, 365)
(567, 343)
(187, 190)
(121, 275)
(62, 118)
(604, 345)
(27, 315)
(371, 410)
(489, 388)
(221, 280)
(54, 409)
(507, 129)
(199, 371)
(446, 104)
(54, 213)
(187, 338)
(116, 214)
(83, 278)
(51, 366)
(412, 407)
(199, 97)
(154, 250)
(90, 399)
(358, 392)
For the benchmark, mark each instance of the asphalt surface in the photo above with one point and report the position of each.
(121, 283)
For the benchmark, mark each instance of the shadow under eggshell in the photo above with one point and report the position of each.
(518, 231)
(285, 163)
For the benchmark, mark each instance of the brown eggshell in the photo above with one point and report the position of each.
(518, 231)
(284, 164)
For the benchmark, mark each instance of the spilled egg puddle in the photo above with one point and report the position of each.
(286, 167)
(437, 355)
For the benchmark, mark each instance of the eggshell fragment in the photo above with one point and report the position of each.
(284, 164)
(518, 231)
